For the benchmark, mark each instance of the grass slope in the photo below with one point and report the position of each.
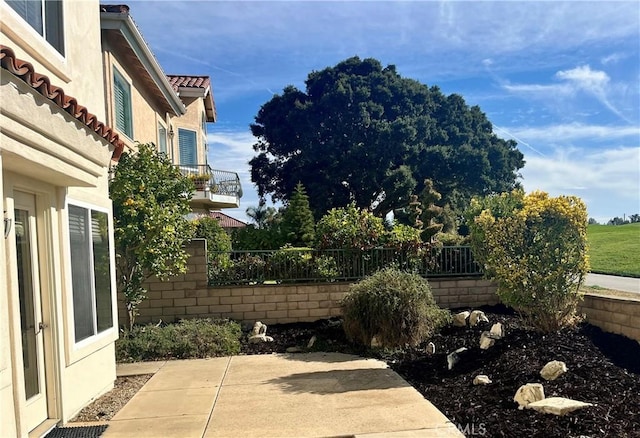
(615, 249)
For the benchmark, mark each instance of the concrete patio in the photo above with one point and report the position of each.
(285, 395)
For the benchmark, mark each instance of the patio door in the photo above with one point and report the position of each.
(31, 322)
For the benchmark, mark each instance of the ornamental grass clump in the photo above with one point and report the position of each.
(535, 247)
(395, 307)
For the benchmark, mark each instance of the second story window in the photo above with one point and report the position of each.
(45, 16)
(162, 139)
(122, 104)
(187, 144)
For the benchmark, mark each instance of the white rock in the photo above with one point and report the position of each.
(476, 317)
(454, 358)
(529, 393)
(553, 370)
(375, 342)
(557, 405)
(481, 379)
(431, 348)
(497, 332)
(259, 329)
(312, 341)
(256, 339)
(460, 319)
(294, 350)
(486, 341)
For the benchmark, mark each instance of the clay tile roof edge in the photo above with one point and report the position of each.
(41, 83)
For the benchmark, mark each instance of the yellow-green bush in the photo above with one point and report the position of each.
(535, 246)
(394, 306)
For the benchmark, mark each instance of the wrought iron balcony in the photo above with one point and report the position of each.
(214, 188)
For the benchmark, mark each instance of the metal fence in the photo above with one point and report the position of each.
(290, 265)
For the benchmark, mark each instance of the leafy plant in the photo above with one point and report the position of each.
(190, 338)
(218, 244)
(350, 228)
(150, 203)
(289, 262)
(535, 246)
(394, 306)
(298, 225)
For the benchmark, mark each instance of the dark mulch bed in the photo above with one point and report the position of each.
(604, 369)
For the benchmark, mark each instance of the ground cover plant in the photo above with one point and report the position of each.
(615, 249)
(187, 339)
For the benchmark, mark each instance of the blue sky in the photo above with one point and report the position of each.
(561, 78)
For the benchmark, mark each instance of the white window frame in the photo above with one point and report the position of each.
(51, 20)
(109, 332)
(119, 78)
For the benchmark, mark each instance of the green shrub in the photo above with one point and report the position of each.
(535, 247)
(326, 266)
(218, 244)
(349, 228)
(190, 338)
(250, 238)
(289, 262)
(394, 306)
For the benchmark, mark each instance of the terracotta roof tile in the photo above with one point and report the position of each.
(227, 221)
(41, 83)
(189, 81)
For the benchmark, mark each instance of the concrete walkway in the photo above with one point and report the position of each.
(283, 395)
(626, 284)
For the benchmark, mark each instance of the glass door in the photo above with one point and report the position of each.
(31, 323)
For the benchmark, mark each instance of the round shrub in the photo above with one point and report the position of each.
(394, 306)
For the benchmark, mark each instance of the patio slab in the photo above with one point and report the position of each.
(279, 395)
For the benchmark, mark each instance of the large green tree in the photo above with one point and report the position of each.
(150, 203)
(362, 133)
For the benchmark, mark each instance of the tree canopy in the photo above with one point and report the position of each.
(362, 133)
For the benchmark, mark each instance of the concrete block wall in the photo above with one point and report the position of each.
(189, 296)
(613, 314)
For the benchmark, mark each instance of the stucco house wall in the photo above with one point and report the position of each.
(53, 154)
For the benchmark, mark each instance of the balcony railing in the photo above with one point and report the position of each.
(219, 182)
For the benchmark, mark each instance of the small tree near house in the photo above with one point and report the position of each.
(150, 203)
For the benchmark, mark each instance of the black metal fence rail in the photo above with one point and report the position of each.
(308, 265)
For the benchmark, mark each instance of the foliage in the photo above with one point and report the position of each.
(150, 201)
(298, 225)
(251, 238)
(289, 261)
(376, 136)
(218, 244)
(633, 218)
(190, 338)
(262, 215)
(403, 237)
(349, 228)
(615, 250)
(395, 307)
(537, 252)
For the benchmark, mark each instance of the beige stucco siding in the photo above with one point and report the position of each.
(79, 72)
(192, 120)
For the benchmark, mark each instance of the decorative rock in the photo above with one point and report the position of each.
(486, 341)
(312, 341)
(256, 339)
(259, 329)
(496, 332)
(460, 319)
(476, 317)
(553, 370)
(557, 405)
(375, 342)
(529, 393)
(294, 350)
(481, 379)
(431, 348)
(454, 358)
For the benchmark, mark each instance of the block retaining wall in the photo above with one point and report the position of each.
(189, 296)
(613, 314)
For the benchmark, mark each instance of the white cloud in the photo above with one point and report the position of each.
(608, 181)
(570, 132)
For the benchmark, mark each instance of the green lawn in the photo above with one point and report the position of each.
(615, 249)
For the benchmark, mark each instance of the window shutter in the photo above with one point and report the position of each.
(122, 97)
(31, 11)
(187, 143)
